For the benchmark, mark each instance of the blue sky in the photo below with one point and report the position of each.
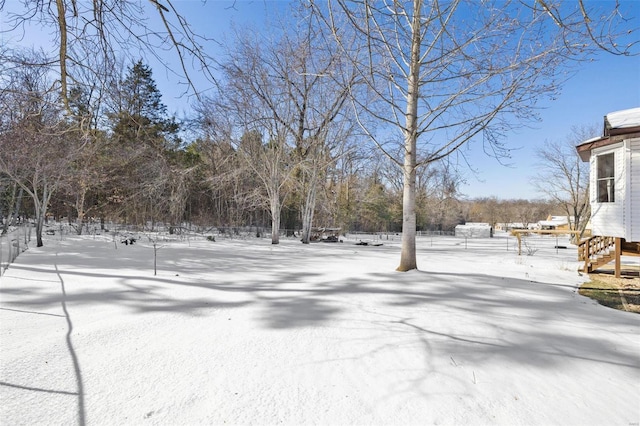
(607, 84)
(604, 85)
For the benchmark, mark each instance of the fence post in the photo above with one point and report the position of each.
(1, 262)
(17, 244)
(10, 258)
(519, 235)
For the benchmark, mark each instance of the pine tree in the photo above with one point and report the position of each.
(144, 147)
(140, 117)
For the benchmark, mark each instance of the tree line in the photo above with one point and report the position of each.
(132, 165)
(346, 114)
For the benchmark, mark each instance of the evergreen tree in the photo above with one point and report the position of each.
(144, 147)
(139, 116)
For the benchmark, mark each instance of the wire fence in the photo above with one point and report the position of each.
(17, 239)
(12, 243)
(187, 230)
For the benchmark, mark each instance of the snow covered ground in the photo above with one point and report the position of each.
(244, 332)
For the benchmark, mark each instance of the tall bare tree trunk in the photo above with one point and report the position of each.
(18, 206)
(309, 205)
(275, 218)
(41, 213)
(14, 207)
(80, 210)
(408, 252)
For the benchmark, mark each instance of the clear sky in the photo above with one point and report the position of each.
(609, 84)
(604, 85)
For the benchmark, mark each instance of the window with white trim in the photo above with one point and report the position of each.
(606, 178)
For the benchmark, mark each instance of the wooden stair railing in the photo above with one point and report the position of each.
(596, 252)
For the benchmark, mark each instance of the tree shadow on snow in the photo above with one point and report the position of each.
(479, 315)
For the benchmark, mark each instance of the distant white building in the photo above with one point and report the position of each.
(554, 222)
(515, 225)
(474, 230)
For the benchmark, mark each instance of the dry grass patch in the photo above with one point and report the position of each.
(618, 293)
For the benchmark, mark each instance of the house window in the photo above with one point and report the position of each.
(606, 178)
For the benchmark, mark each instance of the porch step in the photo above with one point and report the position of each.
(596, 252)
(599, 261)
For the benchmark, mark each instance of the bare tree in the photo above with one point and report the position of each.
(291, 90)
(84, 177)
(442, 74)
(525, 212)
(444, 196)
(12, 203)
(564, 178)
(231, 186)
(87, 176)
(37, 146)
(344, 188)
(83, 31)
(301, 86)
(271, 163)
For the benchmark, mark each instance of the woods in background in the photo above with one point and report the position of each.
(347, 114)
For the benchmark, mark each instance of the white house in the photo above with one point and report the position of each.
(615, 183)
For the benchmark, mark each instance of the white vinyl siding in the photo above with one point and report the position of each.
(633, 213)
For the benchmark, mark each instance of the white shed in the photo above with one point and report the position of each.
(615, 180)
(474, 230)
(554, 222)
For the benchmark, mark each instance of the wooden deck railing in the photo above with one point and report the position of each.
(591, 249)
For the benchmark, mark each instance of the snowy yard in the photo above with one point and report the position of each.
(244, 332)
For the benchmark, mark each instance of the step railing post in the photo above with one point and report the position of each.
(618, 250)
